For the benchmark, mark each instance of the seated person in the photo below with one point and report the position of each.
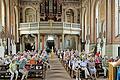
(75, 67)
(105, 66)
(22, 68)
(83, 65)
(75, 64)
(92, 69)
(13, 69)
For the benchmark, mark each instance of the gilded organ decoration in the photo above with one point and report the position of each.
(50, 9)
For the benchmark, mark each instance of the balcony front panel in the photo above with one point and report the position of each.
(49, 27)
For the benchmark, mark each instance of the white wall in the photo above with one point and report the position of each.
(115, 49)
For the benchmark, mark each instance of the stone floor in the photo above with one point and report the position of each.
(57, 71)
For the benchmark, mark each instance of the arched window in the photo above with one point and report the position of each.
(70, 16)
(97, 20)
(117, 17)
(0, 17)
(3, 13)
(29, 15)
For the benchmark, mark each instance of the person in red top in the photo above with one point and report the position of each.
(98, 54)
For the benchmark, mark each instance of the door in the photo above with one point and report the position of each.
(118, 51)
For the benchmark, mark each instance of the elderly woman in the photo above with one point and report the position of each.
(13, 69)
(92, 69)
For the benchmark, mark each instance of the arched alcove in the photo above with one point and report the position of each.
(70, 16)
(0, 16)
(3, 12)
(30, 15)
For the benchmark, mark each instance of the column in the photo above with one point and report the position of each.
(63, 41)
(63, 15)
(13, 47)
(79, 43)
(76, 41)
(103, 48)
(43, 41)
(2, 50)
(9, 46)
(38, 41)
(20, 43)
(87, 46)
(98, 45)
(23, 44)
(58, 42)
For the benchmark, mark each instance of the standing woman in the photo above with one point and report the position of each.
(13, 69)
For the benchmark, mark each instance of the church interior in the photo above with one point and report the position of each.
(59, 39)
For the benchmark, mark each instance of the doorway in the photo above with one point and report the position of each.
(50, 44)
(28, 46)
(118, 51)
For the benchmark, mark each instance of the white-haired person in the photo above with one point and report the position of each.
(75, 67)
(13, 69)
(83, 65)
(105, 65)
(92, 69)
(22, 68)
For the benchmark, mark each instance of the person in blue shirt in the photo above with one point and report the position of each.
(118, 71)
(83, 65)
(22, 68)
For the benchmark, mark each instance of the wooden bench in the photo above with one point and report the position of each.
(100, 71)
(35, 71)
(4, 73)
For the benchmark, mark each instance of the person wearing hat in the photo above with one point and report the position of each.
(13, 69)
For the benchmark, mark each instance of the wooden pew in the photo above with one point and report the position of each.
(4, 73)
(36, 70)
(99, 69)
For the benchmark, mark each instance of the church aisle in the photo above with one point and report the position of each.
(57, 71)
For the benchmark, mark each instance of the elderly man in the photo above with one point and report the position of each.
(83, 65)
(105, 65)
